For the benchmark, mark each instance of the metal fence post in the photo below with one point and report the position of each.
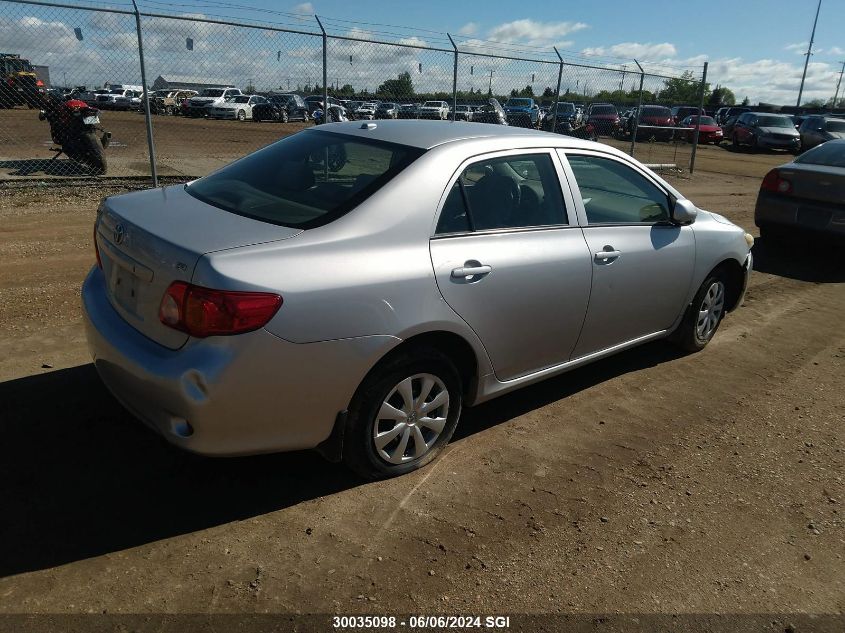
(557, 91)
(325, 71)
(698, 121)
(454, 82)
(639, 108)
(145, 96)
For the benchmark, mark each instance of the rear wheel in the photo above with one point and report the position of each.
(87, 150)
(703, 316)
(241, 115)
(735, 143)
(284, 117)
(403, 414)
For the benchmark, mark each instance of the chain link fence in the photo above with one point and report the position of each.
(218, 89)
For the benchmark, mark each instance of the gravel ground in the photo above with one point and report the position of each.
(650, 482)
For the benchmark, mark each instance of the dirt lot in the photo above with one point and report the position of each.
(650, 482)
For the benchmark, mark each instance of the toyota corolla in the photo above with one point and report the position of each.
(353, 287)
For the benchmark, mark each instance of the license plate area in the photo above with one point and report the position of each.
(91, 120)
(124, 288)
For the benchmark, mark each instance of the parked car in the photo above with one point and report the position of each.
(169, 101)
(522, 112)
(199, 105)
(284, 108)
(679, 113)
(708, 130)
(237, 107)
(797, 119)
(728, 127)
(806, 195)
(818, 129)
(652, 121)
(491, 112)
(366, 111)
(90, 97)
(434, 110)
(316, 101)
(286, 324)
(387, 110)
(564, 120)
(409, 111)
(118, 99)
(604, 118)
(731, 111)
(461, 113)
(758, 130)
(720, 114)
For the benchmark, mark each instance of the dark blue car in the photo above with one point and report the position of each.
(522, 112)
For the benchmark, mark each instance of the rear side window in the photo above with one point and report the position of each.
(507, 192)
(614, 193)
(831, 154)
(305, 180)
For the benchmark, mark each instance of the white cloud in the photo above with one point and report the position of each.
(305, 8)
(470, 28)
(633, 50)
(534, 33)
(835, 50)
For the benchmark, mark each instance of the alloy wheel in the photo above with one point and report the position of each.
(710, 311)
(411, 418)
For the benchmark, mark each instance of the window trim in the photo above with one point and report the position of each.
(579, 200)
(569, 204)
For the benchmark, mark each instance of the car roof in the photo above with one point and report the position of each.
(428, 134)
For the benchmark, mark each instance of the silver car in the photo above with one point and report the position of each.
(354, 286)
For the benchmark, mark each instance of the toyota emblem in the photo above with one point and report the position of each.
(119, 234)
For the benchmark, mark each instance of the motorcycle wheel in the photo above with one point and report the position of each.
(88, 151)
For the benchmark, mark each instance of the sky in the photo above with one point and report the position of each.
(754, 47)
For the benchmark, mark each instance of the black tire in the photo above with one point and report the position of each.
(735, 143)
(359, 451)
(241, 115)
(284, 117)
(688, 335)
(87, 150)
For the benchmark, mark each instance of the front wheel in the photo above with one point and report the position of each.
(703, 316)
(241, 115)
(403, 415)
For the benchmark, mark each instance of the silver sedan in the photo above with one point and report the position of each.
(353, 287)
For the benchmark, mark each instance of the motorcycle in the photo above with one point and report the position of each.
(73, 127)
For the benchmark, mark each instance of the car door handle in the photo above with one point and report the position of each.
(469, 271)
(602, 256)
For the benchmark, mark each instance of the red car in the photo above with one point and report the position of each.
(604, 118)
(654, 121)
(708, 131)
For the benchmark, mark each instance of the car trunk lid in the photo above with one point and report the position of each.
(820, 183)
(149, 239)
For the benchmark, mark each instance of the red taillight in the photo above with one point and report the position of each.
(205, 312)
(776, 183)
(97, 249)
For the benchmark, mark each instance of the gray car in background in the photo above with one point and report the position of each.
(818, 129)
(353, 287)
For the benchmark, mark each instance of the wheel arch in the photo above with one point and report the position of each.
(734, 276)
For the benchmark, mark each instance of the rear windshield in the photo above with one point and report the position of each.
(305, 180)
(211, 92)
(565, 107)
(831, 154)
(656, 111)
(835, 125)
(705, 120)
(603, 109)
(519, 103)
(775, 121)
(433, 104)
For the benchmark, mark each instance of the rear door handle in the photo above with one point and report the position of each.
(602, 256)
(469, 271)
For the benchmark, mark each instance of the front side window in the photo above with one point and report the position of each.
(614, 193)
(306, 179)
(506, 192)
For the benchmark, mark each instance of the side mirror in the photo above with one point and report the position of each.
(683, 212)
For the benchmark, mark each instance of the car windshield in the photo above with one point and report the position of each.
(705, 120)
(835, 125)
(238, 99)
(305, 180)
(211, 92)
(774, 121)
(831, 154)
(656, 111)
(519, 103)
(279, 99)
(115, 92)
(565, 108)
(603, 109)
(432, 104)
(386, 106)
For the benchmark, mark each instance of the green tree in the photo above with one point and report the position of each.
(548, 93)
(402, 86)
(683, 89)
(721, 97)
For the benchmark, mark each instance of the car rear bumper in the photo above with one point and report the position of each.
(245, 394)
(788, 212)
